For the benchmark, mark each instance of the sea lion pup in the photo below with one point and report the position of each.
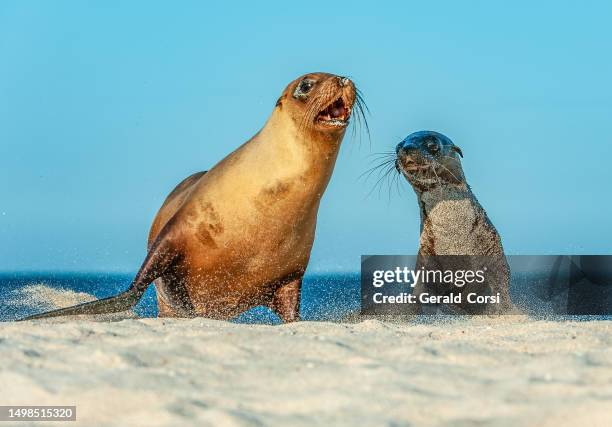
(240, 235)
(452, 223)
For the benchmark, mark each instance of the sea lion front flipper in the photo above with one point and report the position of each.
(159, 258)
(286, 301)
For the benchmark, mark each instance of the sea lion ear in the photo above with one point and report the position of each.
(458, 150)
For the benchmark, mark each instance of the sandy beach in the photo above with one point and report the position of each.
(155, 372)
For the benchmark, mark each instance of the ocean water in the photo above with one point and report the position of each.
(324, 296)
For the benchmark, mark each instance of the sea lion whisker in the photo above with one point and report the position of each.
(360, 110)
(360, 118)
(379, 181)
(381, 159)
(376, 156)
(357, 125)
(378, 168)
(433, 169)
(359, 96)
(392, 181)
(381, 152)
(448, 170)
(354, 124)
(381, 156)
(397, 183)
(386, 179)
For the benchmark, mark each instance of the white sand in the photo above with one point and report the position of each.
(156, 372)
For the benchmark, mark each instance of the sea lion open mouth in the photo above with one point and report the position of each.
(335, 114)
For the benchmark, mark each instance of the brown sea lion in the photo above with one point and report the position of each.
(453, 224)
(240, 235)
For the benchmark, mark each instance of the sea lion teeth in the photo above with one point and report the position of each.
(336, 114)
(335, 110)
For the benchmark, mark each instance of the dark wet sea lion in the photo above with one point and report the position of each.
(240, 235)
(452, 220)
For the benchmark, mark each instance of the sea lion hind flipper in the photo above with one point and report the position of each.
(159, 258)
(115, 304)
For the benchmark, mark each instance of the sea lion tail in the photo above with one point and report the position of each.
(159, 258)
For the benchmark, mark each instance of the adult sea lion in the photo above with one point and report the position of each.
(240, 235)
(456, 233)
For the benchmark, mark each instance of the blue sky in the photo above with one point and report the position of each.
(105, 106)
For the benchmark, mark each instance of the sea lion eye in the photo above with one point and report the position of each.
(303, 88)
(432, 146)
(306, 85)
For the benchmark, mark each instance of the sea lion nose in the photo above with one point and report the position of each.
(343, 81)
